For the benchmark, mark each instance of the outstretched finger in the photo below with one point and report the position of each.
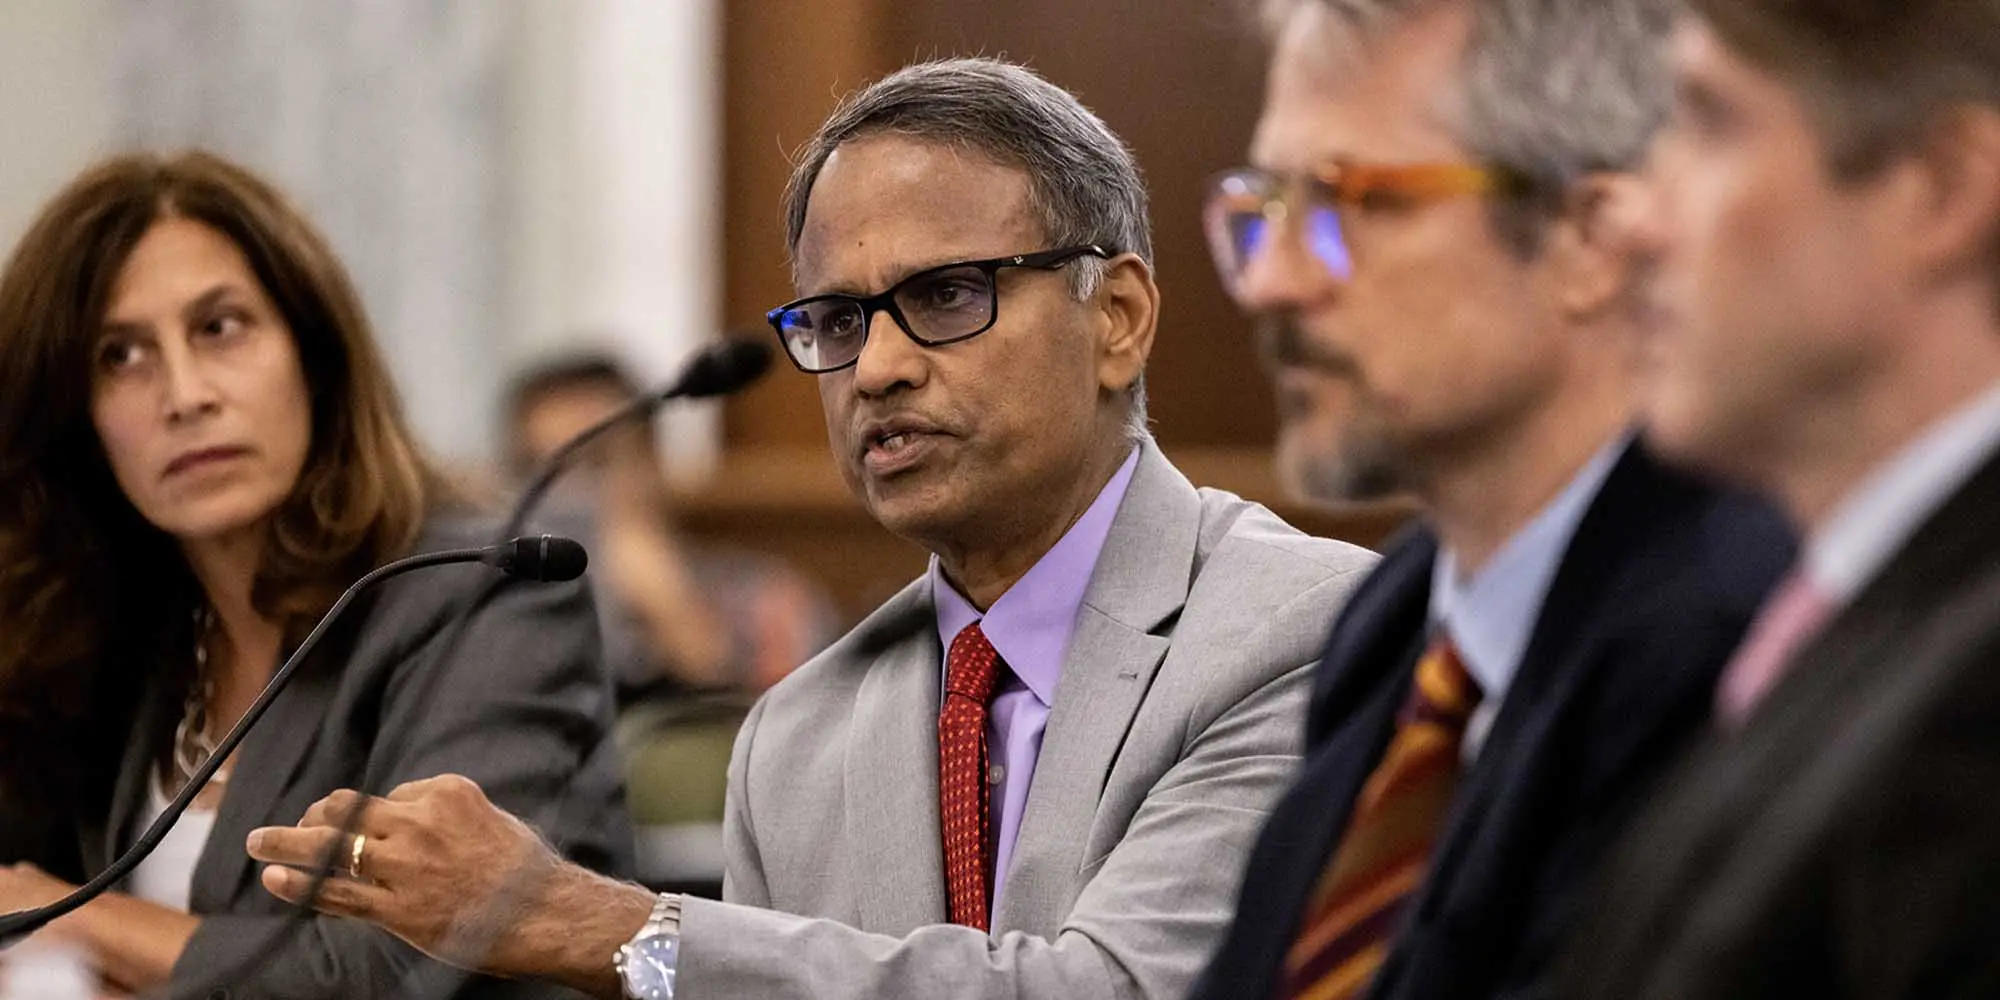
(299, 847)
(339, 897)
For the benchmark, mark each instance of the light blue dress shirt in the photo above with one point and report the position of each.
(1491, 615)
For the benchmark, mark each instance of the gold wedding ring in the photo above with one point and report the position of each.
(354, 856)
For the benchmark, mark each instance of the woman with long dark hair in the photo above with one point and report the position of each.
(199, 449)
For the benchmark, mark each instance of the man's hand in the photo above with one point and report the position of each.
(449, 872)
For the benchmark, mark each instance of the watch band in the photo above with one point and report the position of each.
(666, 917)
(646, 964)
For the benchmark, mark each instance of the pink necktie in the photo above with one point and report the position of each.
(1793, 613)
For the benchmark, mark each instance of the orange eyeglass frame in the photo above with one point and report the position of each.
(1271, 194)
(1357, 184)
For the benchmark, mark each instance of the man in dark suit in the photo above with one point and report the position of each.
(1448, 308)
(1827, 222)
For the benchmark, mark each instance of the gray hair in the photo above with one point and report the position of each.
(1084, 186)
(1550, 90)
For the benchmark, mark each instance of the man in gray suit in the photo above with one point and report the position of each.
(1827, 219)
(1033, 772)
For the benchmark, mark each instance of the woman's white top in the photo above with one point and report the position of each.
(166, 876)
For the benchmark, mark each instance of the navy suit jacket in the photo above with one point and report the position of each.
(1653, 594)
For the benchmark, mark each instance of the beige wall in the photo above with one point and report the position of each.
(54, 101)
(609, 208)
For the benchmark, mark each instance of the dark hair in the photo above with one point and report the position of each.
(576, 370)
(583, 369)
(95, 600)
(1085, 184)
(1874, 74)
(1082, 180)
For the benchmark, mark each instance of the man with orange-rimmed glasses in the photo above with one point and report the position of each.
(1435, 242)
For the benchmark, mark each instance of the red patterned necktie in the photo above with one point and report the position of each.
(1380, 861)
(971, 673)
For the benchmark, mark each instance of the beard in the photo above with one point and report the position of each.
(1360, 471)
(1353, 464)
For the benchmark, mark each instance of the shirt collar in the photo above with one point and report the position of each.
(1491, 615)
(1875, 519)
(1031, 624)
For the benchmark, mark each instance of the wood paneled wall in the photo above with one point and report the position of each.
(1178, 79)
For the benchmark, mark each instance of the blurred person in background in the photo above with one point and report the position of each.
(680, 616)
(1826, 326)
(1435, 236)
(693, 632)
(200, 449)
(1029, 774)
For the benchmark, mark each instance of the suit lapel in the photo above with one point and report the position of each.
(1122, 634)
(1364, 679)
(265, 765)
(1636, 494)
(1374, 635)
(1747, 803)
(266, 762)
(1625, 505)
(1953, 547)
(892, 820)
(1582, 601)
(128, 797)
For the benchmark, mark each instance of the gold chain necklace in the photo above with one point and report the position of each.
(192, 745)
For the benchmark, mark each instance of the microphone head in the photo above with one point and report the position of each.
(543, 558)
(723, 368)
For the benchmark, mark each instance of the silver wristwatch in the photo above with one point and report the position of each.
(646, 964)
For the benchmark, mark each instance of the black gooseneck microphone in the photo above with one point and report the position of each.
(717, 370)
(546, 558)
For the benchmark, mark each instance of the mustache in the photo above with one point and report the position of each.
(1283, 343)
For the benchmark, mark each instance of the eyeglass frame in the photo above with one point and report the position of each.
(1347, 183)
(885, 301)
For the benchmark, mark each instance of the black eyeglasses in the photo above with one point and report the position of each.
(936, 306)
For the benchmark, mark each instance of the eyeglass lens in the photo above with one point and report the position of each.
(936, 307)
(1245, 224)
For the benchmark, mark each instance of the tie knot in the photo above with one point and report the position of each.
(972, 668)
(1444, 692)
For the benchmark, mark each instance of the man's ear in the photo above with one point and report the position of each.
(1952, 217)
(1593, 244)
(1127, 304)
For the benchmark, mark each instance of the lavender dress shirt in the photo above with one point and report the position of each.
(1030, 627)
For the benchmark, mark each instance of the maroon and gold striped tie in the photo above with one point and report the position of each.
(1381, 859)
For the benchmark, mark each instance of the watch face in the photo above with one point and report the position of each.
(649, 967)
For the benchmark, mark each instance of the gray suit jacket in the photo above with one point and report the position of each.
(1845, 843)
(1175, 725)
(521, 700)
